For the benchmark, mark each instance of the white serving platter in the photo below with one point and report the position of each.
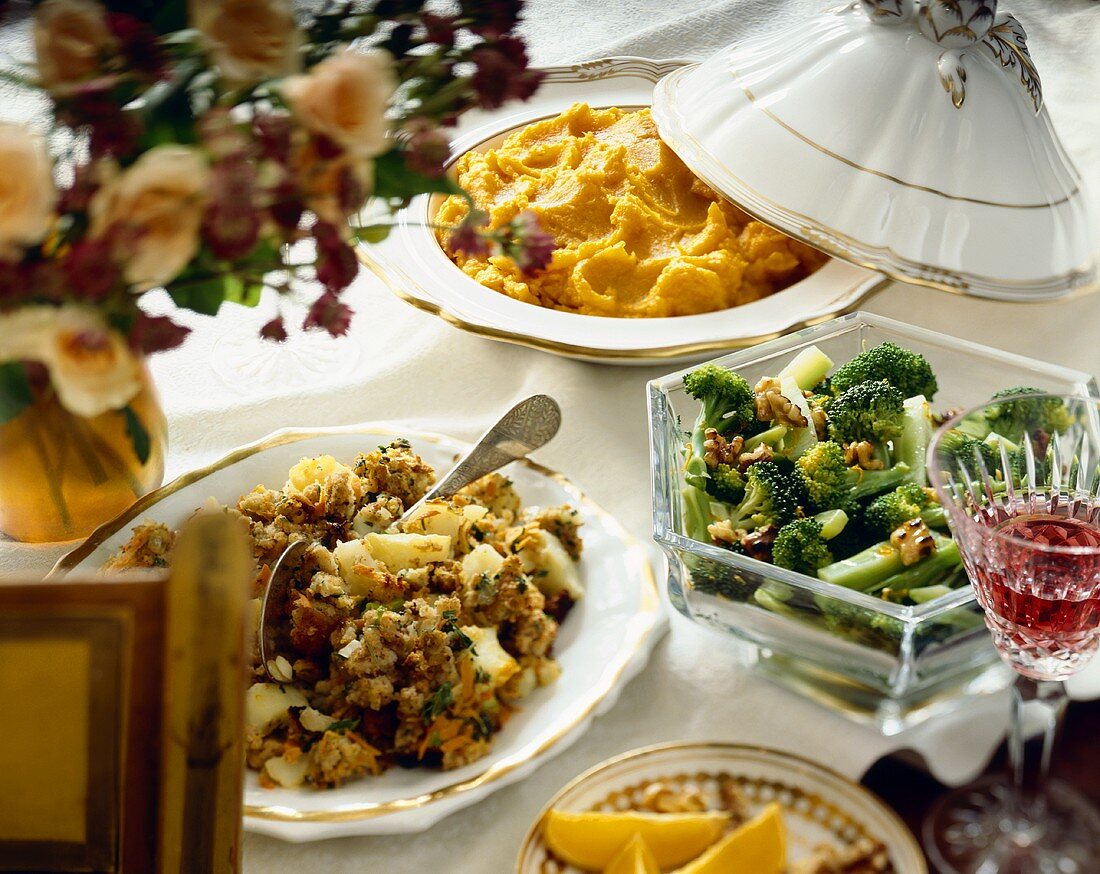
(413, 265)
(604, 642)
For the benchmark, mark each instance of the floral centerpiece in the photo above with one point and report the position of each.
(199, 148)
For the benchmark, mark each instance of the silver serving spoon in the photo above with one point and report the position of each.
(530, 424)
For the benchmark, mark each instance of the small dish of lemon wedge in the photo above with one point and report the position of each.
(716, 808)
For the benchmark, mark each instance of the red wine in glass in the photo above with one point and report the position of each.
(1040, 587)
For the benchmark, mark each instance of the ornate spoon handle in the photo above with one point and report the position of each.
(528, 425)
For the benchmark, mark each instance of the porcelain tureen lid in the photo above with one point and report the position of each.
(908, 136)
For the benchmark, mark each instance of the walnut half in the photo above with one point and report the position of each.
(913, 541)
(772, 405)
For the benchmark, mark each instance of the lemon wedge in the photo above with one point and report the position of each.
(592, 840)
(635, 858)
(757, 847)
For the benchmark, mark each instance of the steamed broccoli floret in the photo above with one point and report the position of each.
(906, 371)
(728, 405)
(871, 411)
(908, 501)
(800, 546)
(825, 474)
(861, 625)
(712, 578)
(1025, 415)
(773, 494)
(727, 398)
(964, 449)
(726, 483)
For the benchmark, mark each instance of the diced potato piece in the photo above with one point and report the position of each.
(288, 774)
(266, 704)
(313, 470)
(549, 565)
(475, 512)
(483, 559)
(350, 554)
(401, 551)
(315, 720)
(437, 517)
(489, 656)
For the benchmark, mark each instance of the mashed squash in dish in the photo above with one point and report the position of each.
(638, 234)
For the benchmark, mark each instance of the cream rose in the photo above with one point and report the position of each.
(91, 368)
(155, 207)
(27, 192)
(249, 40)
(71, 40)
(345, 98)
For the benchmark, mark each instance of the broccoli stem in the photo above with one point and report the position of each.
(934, 516)
(696, 514)
(865, 483)
(925, 594)
(925, 572)
(771, 437)
(865, 569)
(911, 446)
(808, 367)
(832, 523)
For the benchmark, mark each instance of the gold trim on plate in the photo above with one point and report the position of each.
(803, 763)
(593, 354)
(649, 612)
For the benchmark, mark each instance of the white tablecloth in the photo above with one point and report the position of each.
(412, 368)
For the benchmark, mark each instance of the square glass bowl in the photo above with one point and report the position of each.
(886, 664)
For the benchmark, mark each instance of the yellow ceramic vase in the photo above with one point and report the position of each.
(62, 475)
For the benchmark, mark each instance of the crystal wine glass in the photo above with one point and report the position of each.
(1020, 480)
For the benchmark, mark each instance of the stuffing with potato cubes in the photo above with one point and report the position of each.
(412, 643)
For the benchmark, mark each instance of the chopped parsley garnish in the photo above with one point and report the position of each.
(441, 699)
(342, 725)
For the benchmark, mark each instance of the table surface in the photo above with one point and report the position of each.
(403, 366)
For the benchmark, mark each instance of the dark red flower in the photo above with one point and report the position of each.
(231, 228)
(91, 271)
(439, 29)
(330, 313)
(274, 330)
(502, 72)
(468, 238)
(112, 130)
(150, 334)
(336, 263)
(427, 149)
(273, 135)
(286, 205)
(491, 18)
(139, 45)
(327, 150)
(529, 245)
(351, 193)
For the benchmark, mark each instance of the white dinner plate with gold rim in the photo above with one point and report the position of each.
(414, 266)
(819, 805)
(604, 642)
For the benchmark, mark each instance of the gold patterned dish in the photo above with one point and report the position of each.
(605, 642)
(821, 809)
(416, 268)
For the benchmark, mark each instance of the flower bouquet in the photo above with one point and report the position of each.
(201, 148)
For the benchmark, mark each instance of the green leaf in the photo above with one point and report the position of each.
(342, 725)
(237, 291)
(139, 437)
(373, 233)
(394, 180)
(202, 297)
(15, 390)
